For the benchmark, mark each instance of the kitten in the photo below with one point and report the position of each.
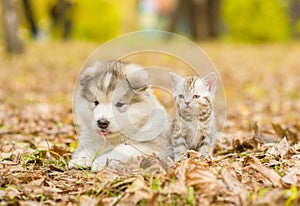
(194, 124)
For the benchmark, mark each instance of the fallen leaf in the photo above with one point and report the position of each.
(137, 184)
(88, 201)
(269, 198)
(243, 144)
(178, 187)
(235, 186)
(283, 147)
(292, 177)
(2, 193)
(280, 149)
(137, 196)
(270, 174)
(37, 182)
(201, 177)
(279, 130)
(12, 192)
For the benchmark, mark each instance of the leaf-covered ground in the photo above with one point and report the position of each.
(257, 162)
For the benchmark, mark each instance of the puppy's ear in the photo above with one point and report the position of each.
(89, 73)
(85, 80)
(85, 91)
(139, 80)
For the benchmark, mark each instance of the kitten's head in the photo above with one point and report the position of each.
(193, 92)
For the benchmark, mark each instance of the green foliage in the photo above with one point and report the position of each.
(191, 198)
(298, 27)
(256, 20)
(96, 20)
(292, 194)
(156, 184)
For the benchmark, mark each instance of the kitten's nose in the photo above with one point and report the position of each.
(187, 103)
(102, 123)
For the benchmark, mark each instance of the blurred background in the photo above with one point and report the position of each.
(100, 20)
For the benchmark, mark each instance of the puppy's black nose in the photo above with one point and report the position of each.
(102, 123)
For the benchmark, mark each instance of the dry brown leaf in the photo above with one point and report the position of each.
(283, 147)
(279, 130)
(290, 132)
(270, 198)
(280, 149)
(268, 173)
(37, 182)
(30, 203)
(134, 198)
(180, 170)
(292, 177)
(12, 192)
(2, 193)
(235, 186)
(88, 201)
(137, 184)
(201, 177)
(243, 144)
(273, 151)
(51, 189)
(178, 187)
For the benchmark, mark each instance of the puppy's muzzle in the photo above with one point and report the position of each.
(102, 123)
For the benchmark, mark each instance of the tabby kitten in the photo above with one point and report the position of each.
(194, 124)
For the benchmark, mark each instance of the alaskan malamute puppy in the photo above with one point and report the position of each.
(118, 116)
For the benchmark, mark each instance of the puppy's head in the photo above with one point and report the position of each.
(119, 96)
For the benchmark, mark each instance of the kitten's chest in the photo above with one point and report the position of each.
(195, 132)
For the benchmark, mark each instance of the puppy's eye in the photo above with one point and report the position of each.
(180, 96)
(96, 102)
(119, 104)
(196, 96)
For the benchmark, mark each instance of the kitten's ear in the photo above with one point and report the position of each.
(176, 80)
(210, 81)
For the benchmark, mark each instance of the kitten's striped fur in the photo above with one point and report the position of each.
(194, 124)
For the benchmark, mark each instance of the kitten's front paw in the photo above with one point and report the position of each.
(178, 157)
(205, 151)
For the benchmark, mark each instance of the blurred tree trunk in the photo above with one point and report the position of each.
(203, 17)
(294, 7)
(10, 24)
(30, 18)
(213, 13)
(61, 15)
(183, 9)
(202, 26)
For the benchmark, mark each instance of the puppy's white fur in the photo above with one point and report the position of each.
(138, 127)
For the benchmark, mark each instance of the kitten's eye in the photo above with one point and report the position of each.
(180, 96)
(196, 96)
(96, 102)
(119, 104)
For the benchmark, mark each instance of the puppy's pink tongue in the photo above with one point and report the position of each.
(104, 132)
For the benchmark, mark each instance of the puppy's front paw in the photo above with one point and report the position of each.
(97, 167)
(82, 162)
(100, 163)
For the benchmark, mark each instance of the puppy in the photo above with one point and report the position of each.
(118, 116)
